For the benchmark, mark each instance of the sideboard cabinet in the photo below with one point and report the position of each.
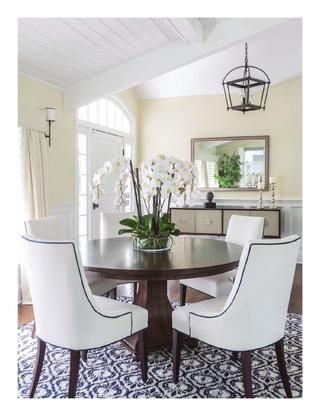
(215, 221)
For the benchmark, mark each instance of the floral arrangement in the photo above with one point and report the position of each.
(156, 184)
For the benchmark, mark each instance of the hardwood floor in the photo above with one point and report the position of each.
(25, 313)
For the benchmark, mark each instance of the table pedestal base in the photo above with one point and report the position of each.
(152, 295)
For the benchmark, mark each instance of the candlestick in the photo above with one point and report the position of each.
(273, 202)
(259, 206)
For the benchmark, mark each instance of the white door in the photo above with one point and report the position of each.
(102, 147)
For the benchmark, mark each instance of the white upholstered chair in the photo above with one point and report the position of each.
(254, 314)
(109, 227)
(68, 315)
(50, 228)
(241, 229)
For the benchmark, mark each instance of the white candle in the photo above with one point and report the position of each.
(260, 185)
(272, 179)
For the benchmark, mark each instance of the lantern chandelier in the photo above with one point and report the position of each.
(253, 87)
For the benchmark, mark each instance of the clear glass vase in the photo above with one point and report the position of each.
(152, 243)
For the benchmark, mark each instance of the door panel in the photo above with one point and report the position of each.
(103, 147)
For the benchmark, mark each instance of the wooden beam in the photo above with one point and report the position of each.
(189, 30)
(225, 33)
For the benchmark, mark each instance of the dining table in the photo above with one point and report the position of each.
(189, 257)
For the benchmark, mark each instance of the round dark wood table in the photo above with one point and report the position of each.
(115, 258)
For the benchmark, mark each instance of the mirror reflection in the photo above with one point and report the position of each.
(227, 163)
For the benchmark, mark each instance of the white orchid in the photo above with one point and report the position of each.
(161, 177)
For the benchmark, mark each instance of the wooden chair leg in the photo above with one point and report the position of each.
(176, 354)
(84, 355)
(183, 294)
(135, 289)
(33, 333)
(38, 366)
(112, 294)
(143, 357)
(74, 371)
(282, 367)
(246, 373)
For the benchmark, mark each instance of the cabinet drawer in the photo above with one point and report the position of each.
(271, 223)
(209, 222)
(184, 220)
(227, 215)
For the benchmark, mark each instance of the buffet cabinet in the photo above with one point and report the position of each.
(215, 221)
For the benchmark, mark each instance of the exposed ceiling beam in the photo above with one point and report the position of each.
(226, 32)
(189, 30)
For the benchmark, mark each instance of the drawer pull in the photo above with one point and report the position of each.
(266, 223)
(183, 221)
(208, 222)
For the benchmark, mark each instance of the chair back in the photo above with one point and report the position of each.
(242, 229)
(109, 223)
(66, 312)
(255, 313)
(48, 228)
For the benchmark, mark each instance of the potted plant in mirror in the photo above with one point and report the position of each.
(229, 169)
(156, 184)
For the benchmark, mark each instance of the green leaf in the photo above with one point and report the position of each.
(129, 222)
(124, 231)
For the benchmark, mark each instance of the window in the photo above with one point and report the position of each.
(107, 113)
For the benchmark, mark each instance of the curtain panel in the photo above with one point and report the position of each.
(34, 169)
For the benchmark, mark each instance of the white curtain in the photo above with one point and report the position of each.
(34, 167)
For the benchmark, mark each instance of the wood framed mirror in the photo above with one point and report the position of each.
(231, 163)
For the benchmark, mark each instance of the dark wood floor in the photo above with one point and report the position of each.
(25, 313)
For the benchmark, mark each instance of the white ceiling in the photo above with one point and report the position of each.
(278, 51)
(64, 51)
(161, 57)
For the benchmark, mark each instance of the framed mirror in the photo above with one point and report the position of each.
(232, 163)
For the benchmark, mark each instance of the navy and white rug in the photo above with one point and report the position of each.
(205, 372)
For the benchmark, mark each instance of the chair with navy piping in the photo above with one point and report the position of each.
(253, 316)
(109, 227)
(241, 229)
(50, 228)
(68, 315)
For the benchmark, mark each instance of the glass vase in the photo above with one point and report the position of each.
(152, 244)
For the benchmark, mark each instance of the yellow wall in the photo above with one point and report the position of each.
(34, 96)
(167, 125)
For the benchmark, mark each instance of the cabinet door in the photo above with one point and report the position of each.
(271, 223)
(227, 213)
(184, 220)
(208, 221)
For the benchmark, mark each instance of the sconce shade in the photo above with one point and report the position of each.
(51, 114)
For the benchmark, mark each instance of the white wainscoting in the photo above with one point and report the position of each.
(66, 211)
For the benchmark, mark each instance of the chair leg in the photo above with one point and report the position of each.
(38, 366)
(176, 354)
(112, 294)
(143, 357)
(84, 355)
(282, 367)
(74, 371)
(234, 356)
(246, 373)
(135, 289)
(183, 294)
(33, 333)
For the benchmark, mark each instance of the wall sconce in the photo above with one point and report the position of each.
(50, 117)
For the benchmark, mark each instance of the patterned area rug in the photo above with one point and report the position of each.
(205, 372)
